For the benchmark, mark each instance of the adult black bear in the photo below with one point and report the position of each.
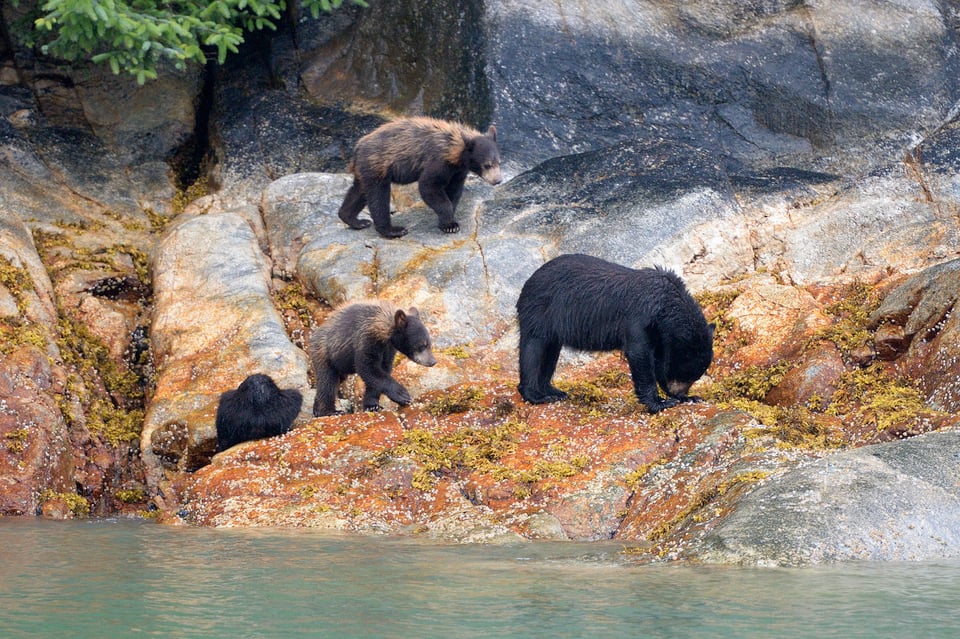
(254, 410)
(590, 304)
(364, 338)
(435, 153)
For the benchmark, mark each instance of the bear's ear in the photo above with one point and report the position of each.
(413, 312)
(492, 133)
(400, 319)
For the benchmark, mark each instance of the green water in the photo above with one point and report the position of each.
(109, 579)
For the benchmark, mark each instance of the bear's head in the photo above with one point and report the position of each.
(483, 157)
(688, 364)
(410, 337)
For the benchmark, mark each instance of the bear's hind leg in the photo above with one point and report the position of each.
(378, 202)
(328, 381)
(548, 366)
(538, 361)
(353, 203)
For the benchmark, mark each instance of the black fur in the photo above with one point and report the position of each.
(254, 410)
(364, 338)
(590, 304)
(434, 153)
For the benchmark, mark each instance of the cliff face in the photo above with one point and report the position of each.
(795, 162)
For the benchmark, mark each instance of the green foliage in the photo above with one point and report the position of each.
(135, 36)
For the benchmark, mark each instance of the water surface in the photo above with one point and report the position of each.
(105, 579)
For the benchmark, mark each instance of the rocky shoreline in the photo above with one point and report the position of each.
(161, 243)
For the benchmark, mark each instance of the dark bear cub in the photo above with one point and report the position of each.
(254, 410)
(436, 154)
(364, 338)
(590, 304)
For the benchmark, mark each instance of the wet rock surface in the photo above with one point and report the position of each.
(894, 502)
(796, 166)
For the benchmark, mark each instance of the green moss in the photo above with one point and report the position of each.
(78, 506)
(791, 426)
(753, 383)
(614, 378)
(17, 440)
(587, 394)
(308, 491)
(715, 305)
(181, 200)
(851, 318)
(45, 241)
(17, 280)
(292, 297)
(87, 353)
(14, 334)
(89, 357)
(459, 400)
(18, 331)
(633, 478)
(131, 496)
(457, 352)
(471, 448)
(702, 499)
(79, 225)
(871, 395)
(113, 424)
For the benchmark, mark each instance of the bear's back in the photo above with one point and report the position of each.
(412, 142)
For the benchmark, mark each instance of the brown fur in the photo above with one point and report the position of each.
(378, 326)
(446, 135)
(364, 338)
(438, 155)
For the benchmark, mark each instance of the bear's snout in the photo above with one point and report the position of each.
(493, 176)
(424, 358)
(677, 388)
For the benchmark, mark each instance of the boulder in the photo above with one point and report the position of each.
(897, 502)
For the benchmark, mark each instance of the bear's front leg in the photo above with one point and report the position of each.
(640, 358)
(392, 389)
(378, 202)
(434, 194)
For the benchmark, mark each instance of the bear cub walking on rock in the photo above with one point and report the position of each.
(590, 304)
(364, 338)
(254, 410)
(435, 153)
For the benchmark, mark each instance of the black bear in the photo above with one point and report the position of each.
(435, 153)
(590, 304)
(364, 338)
(254, 410)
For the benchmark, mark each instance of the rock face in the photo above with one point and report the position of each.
(895, 501)
(214, 324)
(918, 329)
(797, 163)
(784, 83)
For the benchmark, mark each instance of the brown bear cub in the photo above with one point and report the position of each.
(364, 338)
(590, 304)
(435, 153)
